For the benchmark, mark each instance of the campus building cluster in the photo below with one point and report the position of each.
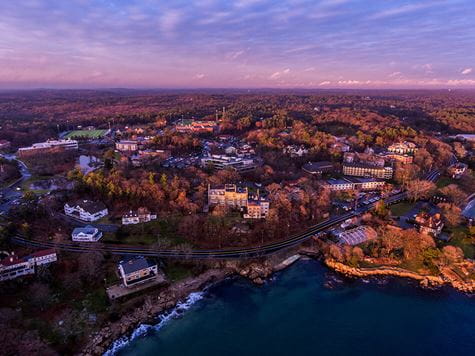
(196, 126)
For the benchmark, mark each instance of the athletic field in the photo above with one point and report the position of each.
(88, 134)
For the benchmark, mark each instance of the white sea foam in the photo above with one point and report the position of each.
(143, 329)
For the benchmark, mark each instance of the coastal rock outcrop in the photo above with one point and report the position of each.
(256, 272)
(426, 281)
(151, 306)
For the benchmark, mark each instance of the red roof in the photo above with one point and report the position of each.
(42, 253)
(11, 260)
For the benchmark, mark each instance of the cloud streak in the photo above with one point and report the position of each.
(247, 43)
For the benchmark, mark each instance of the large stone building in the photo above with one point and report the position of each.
(257, 209)
(367, 170)
(366, 165)
(354, 183)
(403, 148)
(229, 195)
(254, 206)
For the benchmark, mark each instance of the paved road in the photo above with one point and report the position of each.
(10, 194)
(216, 254)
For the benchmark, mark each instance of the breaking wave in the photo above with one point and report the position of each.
(164, 318)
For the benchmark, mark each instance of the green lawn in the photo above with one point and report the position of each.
(444, 181)
(400, 209)
(176, 272)
(88, 134)
(25, 185)
(161, 231)
(459, 238)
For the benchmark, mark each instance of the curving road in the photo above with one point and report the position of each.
(216, 254)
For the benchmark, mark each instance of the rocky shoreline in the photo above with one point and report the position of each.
(153, 305)
(257, 272)
(160, 302)
(426, 281)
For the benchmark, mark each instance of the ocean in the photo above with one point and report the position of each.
(308, 309)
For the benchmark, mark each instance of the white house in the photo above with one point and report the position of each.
(142, 215)
(86, 210)
(137, 270)
(13, 266)
(86, 234)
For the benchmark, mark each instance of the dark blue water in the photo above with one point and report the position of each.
(296, 313)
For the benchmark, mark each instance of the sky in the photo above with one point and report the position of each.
(237, 44)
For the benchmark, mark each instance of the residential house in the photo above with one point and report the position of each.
(86, 210)
(457, 170)
(429, 224)
(13, 266)
(137, 270)
(86, 234)
(295, 151)
(142, 215)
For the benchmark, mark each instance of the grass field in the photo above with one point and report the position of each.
(444, 181)
(88, 134)
(400, 209)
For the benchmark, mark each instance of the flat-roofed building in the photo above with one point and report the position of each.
(127, 146)
(229, 195)
(257, 209)
(240, 164)
(318, 168)
(354, 183)
(365, 170)
(49, 145)
(357, 235)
